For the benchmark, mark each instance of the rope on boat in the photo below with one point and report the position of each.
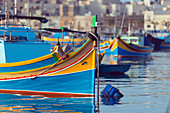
(58, 60)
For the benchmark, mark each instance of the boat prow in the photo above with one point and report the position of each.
(71, 77)
(120, 48)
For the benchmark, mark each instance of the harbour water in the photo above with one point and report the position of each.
(146, 89)
(146, 86)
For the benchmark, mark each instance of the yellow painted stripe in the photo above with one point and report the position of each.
(90, 59)
(91, 64)
(117, 43)
(105, 42)
(60, 40)
(104, 47)
(26, 62)
(18, 72)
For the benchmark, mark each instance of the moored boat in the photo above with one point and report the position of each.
(62, 36)
(77, 42)
(156, 41)
(120, 48)
(164, 45)
(17, 43)
(161, 43)
(73, 76)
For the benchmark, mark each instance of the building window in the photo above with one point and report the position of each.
(148, 18)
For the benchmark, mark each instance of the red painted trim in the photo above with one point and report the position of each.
(50, 71)
(135, 49)
(69, 64)
(46, 94)
(18, 77)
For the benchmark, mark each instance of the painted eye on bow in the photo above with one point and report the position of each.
(84, 63)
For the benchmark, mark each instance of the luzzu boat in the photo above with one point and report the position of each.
(164, 45)
(20, 48)
(17, 43)
(120, 48)
(73, 76)
(62, 36)
(156, 41)
(77, 42)
(159, 42)
(105, 43)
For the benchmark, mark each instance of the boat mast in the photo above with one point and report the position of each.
(94, 30)
(122, 20)
(6, 13)
(129, 31)
(14, 10)
(115, 25)
(28, 11)
(15, 7)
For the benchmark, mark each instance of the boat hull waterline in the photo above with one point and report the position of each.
(119, 48)
(73, 77)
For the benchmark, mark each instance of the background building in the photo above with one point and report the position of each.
(77, 14)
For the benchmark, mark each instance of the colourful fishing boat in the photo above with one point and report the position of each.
(77, 42)
(105, 43)
(63, 36)
(137, 40)
(164, 45)
(161, 43)
(17, 43)
(20, 50)
(71, 75)
(120, 48)
(156, 41)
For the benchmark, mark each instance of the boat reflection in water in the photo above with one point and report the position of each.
(126, 60)
(110, 66)
(17, 103)
(110, 100)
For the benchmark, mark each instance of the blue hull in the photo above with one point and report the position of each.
(121, 52)
(73, 83)
(165, 45)
(20, 46)
(21, 51)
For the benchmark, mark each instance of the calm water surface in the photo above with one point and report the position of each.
(146, 89)
(146, 86)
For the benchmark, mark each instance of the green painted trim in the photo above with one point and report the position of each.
(55, 57)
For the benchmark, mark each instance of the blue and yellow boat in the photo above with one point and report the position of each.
(17, 43)
(119, 48)
(63, 36)
(71, 76)
(77, 42)
(164, 45)
(160, 42)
